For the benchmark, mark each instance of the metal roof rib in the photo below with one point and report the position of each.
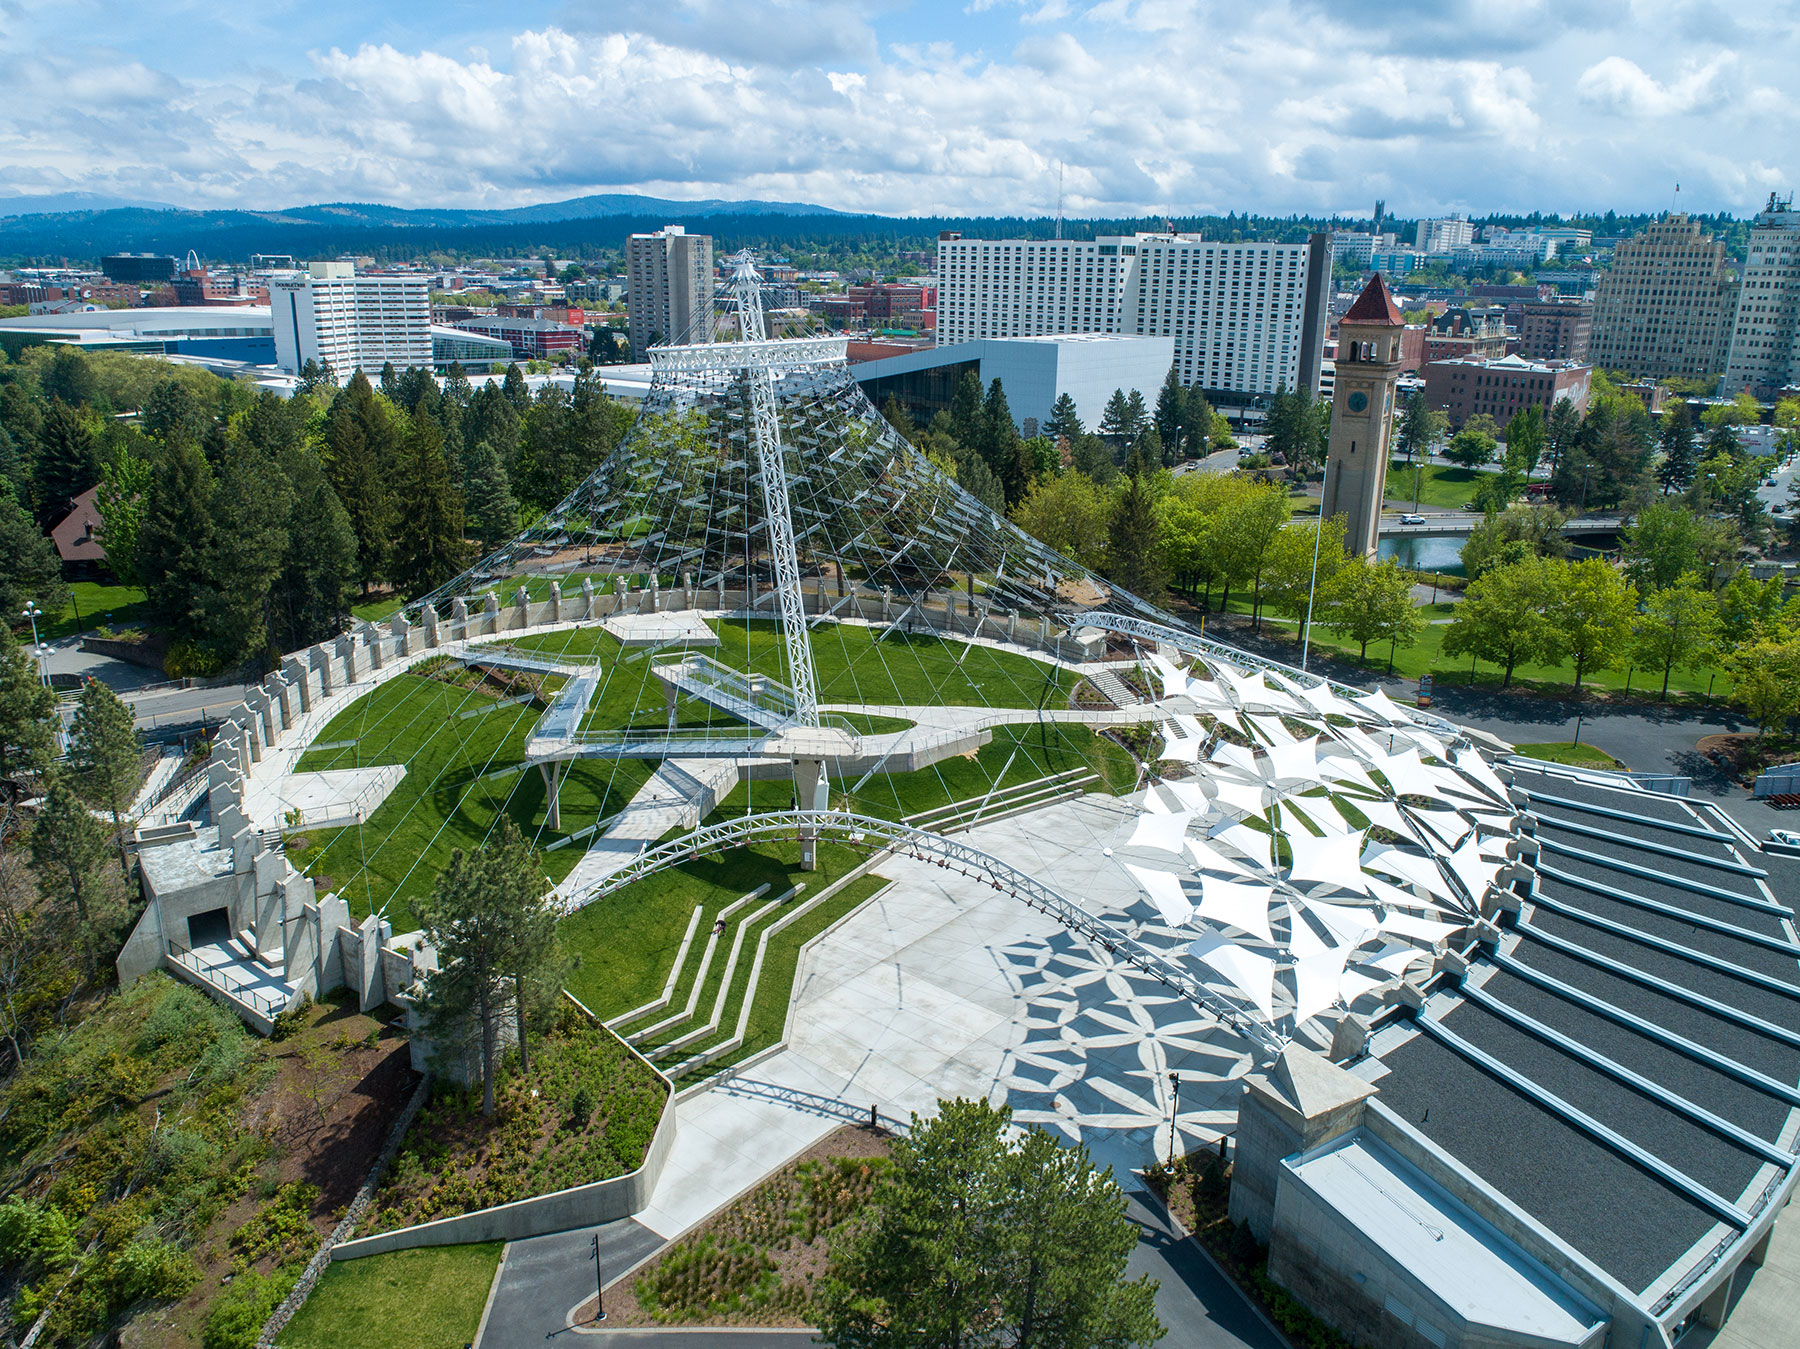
(1665, 878)
(1592, 809)
(1668, 910)
(1712, 1005)
(1723, 864)
(1718, 1206)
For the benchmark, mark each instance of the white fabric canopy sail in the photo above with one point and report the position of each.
(1333, 860)
(1296, 761)
(1246, 798)
(1252, 843)
(1238, 904)
(1166, 893)
(1250, 972)
(1316, 980)
(1351, 926)
(1162, 832)
(1208, 858)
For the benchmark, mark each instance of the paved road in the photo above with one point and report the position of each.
(543, 1279)
(186, 708)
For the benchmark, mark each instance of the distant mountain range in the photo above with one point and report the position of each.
(56, 203)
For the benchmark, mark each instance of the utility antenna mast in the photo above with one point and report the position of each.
(761, 378)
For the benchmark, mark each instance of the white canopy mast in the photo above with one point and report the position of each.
(761, 379)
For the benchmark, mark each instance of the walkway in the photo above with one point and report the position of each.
(677, 796)
(1767, 1309)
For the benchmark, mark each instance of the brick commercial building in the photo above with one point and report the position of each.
(531, 339)
(1469, 331)
(1556, 330)
(1665, 307)
(1502, 385)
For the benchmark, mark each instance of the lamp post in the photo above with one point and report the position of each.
(1313, 585)
(599, 1285)
(32, 612)
(1174, 1109)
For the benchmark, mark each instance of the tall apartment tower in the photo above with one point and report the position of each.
(1362, 415)
(1763, 352)
(1665, 307)
(669, 289)
(331, 315)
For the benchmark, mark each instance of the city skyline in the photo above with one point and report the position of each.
(909, 109)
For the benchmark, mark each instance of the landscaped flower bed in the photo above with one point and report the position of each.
(755, 1263)
(586, 1113)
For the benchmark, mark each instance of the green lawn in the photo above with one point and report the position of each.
(853, 667)
(376, 610)
(447, 800)
(1438, 485)
(429, 1298)
(1568, 752)
(95, 604)
(626, 942)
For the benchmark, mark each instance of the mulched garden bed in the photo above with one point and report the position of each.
(585, 1113)
(1746, 754)
(754, 1263)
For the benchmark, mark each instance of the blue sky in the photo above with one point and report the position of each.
(909, 107)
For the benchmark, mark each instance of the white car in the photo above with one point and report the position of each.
(1410, 519)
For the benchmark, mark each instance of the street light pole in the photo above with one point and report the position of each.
(1174, 1109)
(599, 1284)
(1313, 585)
(31, 611)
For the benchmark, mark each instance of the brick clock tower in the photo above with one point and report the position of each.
(1362, 415)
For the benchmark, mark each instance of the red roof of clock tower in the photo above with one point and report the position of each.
(1375, 305)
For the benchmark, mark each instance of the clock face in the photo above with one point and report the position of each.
(1358, 401)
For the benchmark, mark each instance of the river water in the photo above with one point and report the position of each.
(1429, 552)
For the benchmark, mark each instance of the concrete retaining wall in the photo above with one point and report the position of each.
(603, 1201)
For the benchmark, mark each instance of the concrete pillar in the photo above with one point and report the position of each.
(430, 617)
(887, 603)
(556, 601)
(587, 597)
(655, 595)
(1044, 629)
(321, 667)
(1716, 1307)
(521, 609)
(295, 670)
(1299, 1102)
(971, 600)
(687, 589)
(459, 619)
(404, 636)
(286, 697)
(553, 775)
(721, 590)
(839, 568)
(490, 614)
(371, 636)
(809, 794)
(346, 655)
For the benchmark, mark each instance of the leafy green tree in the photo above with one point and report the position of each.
(27, 709)
(1470, 448)
(1662, 544)
(1591, 615)
(1420, 425)
(1133, 559)
(1749, 609)
(1091, 457)
(1525, 440)
(68, 377)
(106, 757)
(68, 462)
(1247, 529)
(533, 962)
(1371, 602)
(1289, 571)
(1503, 618)
(29, 566)
(1676, 471)
(69, 854)
(124, 491)
(973, 1239)
(175, 537)
(1068, 513)
(1742, 410)
(1561, 429)
(428, 547)
(1765, 681)
(173, 411)
(1678, 628)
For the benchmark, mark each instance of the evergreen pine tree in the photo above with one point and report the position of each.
(493, 514)
(898, 419)
(1133, 559)
(30, 570)
(966, 410)
(1115, 422)
(1065, 421)
(1171, 415)
(69, 854)
(1676, 470)
(514, 389)
(27, 706)
(1137, 416)
(106, 757)
(428, 546)
(1000, 443)
(359, 465)
(251, 508)
(175, 538)
(68, 462)
(310, 598)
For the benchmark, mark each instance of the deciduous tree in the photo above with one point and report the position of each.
(1590, 617)
(1503, 617)
(1678, 628)
(1372, 602)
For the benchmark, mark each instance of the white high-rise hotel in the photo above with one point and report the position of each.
(331, 315)
(1246, 318)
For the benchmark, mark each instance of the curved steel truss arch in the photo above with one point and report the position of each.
(872, 834)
